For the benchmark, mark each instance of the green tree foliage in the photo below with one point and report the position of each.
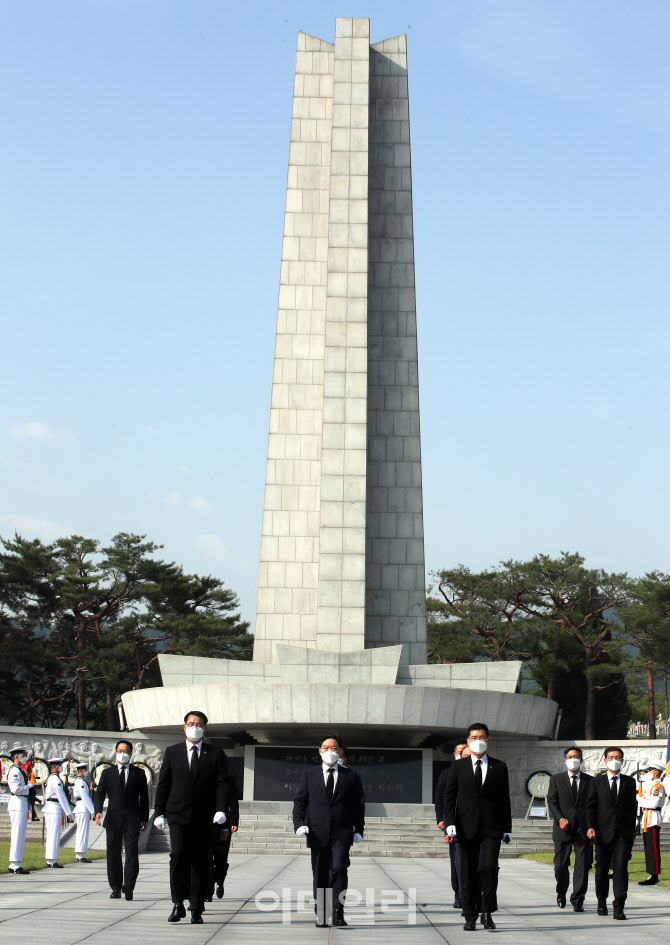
(80, 624)
(554, 614)
(646, 622)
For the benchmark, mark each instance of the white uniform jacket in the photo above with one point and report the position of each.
(650, 798)
(17, 781)
(55, 794)
(82, 796)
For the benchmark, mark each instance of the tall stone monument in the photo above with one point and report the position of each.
(342, 564)
(340, 636)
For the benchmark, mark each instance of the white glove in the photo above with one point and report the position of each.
(357, 838)
(507, 836)
(302, 831)
(219, 817)
(159, 822)
(451, 830)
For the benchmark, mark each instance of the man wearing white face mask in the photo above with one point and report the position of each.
(572, 803)
(124, 786)
(477, 811)
(192, 795)
(616, 796)
(329, 810)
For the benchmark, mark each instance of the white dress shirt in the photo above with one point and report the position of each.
(575, 775)
(189, 753)
(336, 774)
(614, 777)
(123, 768)
(485, 764)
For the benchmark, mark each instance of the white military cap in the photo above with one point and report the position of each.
(13, 751)
(81, 764)
(55, 761)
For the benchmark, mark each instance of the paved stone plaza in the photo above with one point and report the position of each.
(73, 906)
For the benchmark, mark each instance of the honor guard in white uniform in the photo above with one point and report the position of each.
(650, 800)
(56, 807)
(17, 781)
(83, 811)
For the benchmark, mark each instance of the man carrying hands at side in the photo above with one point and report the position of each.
(572, 803)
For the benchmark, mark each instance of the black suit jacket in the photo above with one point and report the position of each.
(489, 812)
(338, 818)
(130, 805)
(623, 816)
(561, 804)
(439, 795)
(183, 798)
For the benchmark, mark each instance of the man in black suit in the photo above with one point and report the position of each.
(125, 788)
(192, 795)
(329, 809)
(572, 803)
(478, 812)
(616, 797)
(454, 859)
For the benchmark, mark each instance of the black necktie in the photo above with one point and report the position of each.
(330, 784)
(478, 776)
(574, 789)
(194, 761)
(123, 778)
(613, 790)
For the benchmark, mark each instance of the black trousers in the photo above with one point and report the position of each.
(329, 872)
(190, 862)
(454, 862)
(580, 879)
(652, 850)
(218, 851)
(614, 856)
(479, 854)
(124, 835)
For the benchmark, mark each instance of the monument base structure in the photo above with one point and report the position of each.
(340, 633)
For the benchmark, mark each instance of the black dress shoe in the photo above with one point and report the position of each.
(82, 859)
(487, 921)
(560, 900)
(649, 881)
(577, 907)
(196, 918)
(619, 914)
(338, 919)
(127, 892)
(470, 926)
(178, 912)
(55, 866)
(458, 903)
(19, 871)
(219, 892)
(602, 907)
(115, 894)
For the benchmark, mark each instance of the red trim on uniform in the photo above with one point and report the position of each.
(656, 841)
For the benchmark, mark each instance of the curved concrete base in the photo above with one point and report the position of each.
(285, 713)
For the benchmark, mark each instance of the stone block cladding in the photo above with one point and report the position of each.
(342, 564)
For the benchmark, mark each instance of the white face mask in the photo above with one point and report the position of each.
(194, 732)
(614, 764)
(122, 757)
(330, 756)
(479, 746)
(573, 764)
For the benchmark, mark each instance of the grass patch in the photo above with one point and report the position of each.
(33, 856)
(636, 870)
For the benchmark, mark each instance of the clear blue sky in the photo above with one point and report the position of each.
(144, 149)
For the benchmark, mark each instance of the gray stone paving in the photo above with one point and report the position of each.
(72, 906)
